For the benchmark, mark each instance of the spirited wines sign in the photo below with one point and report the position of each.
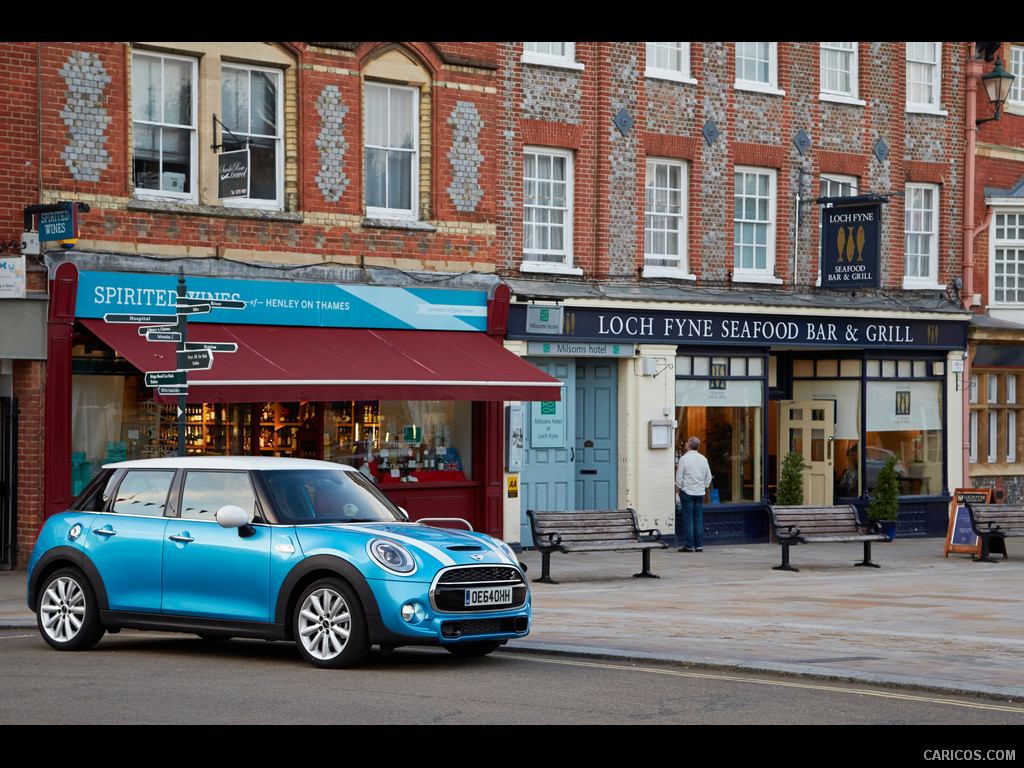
(851, 237)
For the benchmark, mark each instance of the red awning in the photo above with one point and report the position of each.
(285, 363)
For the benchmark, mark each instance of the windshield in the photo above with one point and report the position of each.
(305, 496)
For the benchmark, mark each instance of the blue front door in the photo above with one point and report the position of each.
(596, 434)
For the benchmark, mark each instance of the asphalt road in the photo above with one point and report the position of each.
(136, 678)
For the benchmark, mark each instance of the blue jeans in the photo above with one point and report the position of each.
(693, 520)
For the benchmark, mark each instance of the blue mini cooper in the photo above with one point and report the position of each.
(282, 549)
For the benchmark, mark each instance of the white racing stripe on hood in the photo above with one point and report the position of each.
(443, 557)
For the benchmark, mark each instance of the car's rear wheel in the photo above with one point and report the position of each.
(473, 650)
(68, 617)
(330, 626)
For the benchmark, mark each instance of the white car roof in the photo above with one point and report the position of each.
(229, 462)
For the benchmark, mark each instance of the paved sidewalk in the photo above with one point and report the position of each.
(919, 620)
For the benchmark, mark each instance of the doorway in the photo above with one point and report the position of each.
(808, 428)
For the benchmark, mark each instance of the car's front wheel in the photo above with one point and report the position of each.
(330, 626)
(472, 650)
(68, 617)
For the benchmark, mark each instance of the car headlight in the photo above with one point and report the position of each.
(391, 556)
(507, 551)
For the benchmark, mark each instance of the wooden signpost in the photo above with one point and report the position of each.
(960, 537)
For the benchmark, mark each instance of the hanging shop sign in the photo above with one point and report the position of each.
(233, 174)
(719, 328)
(59, 225)
(851, 239)
(261, 302)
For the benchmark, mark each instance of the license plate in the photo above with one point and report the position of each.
(488, 596)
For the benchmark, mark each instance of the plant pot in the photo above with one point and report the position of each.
(888, 528)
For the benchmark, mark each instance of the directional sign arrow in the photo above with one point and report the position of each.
(116, 318)
(145, 329)
(213, 346)
(196, 359)
(173, 390)
(166, 378)
(215, 303)
(163, 336)
(192, 309)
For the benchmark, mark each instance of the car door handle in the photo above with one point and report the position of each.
(104, 531)
(185, 538)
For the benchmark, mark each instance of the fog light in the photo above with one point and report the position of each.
(413, 613)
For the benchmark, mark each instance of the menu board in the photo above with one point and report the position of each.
(960, 537)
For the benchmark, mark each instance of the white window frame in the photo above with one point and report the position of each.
(666, 215)
(924, 72)
(387, 212)
(1014, 64)
(551, 55)
(845, 185)
(678, 51)
(973, 432)
(765, 219)
(921, 227)
(839, 60)
(193, 173)
(993, 436)
(1001, 244)
(769, 83)
(277, 138)
(541, 205)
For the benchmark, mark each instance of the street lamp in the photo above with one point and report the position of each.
(997, 85)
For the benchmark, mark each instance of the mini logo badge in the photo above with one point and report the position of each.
(478, 558)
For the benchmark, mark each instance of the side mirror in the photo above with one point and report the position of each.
(232, 516)
(405, 515)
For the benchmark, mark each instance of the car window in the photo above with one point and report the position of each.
(143, 492)
(327, 496)
(206, 492)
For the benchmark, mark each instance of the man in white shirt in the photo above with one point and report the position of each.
(693, 477)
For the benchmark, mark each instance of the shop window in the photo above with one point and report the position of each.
(164, 126)
(838, 72)
(993, 417)
(725, 412)
(669, 61)
(924, 67)
(904, 419)
(665, 219)
(754, 225)
(1007, 249)
(399, 441)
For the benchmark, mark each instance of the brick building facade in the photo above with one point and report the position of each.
(993, 432)
(636, 219)
(684, 263)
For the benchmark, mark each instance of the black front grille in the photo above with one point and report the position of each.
(448, 593)
(479, 573)
(468, 627)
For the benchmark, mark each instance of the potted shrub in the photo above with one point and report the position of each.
(791, 481)
(885, 503)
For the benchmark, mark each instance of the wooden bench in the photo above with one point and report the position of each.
(607, 530)
(807, 525)
(995, 521)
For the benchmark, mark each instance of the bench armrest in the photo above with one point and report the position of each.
(549, 539)
(653, 534)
